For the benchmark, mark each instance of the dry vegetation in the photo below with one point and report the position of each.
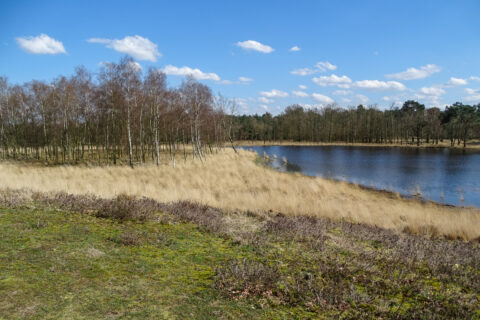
(235, 182)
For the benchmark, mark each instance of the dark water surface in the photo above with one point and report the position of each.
(445, 175)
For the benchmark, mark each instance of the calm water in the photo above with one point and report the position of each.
(443, 175)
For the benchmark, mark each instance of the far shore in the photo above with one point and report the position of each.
(473, 145)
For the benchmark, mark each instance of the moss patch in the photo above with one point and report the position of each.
(65, 265)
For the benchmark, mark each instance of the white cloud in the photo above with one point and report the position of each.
(432, 91)
(266, 100)
(138, 47)
(333, 80)
(380, 85)
(255, 46)
(41, 44)
(473, 98)
(474, 95)
(242, 103)
(362, 99)
(472, 91)
(308, 106)
(300, 94)
(135, 66)
(414, 73)
(319, 67)
(187, 71)
(324, 66)
(303, 71)
(245, 79)
(342, 92)
(456, 82)
(241, 80)
(294, 49)
(274, 93)
(303, 87)
(346, 100)
(264, 107)
(322, 98)
(475, 78)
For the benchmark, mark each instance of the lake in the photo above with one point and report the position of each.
(450, 176)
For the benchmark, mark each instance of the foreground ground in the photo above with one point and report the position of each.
(235, 182)
(73, 257)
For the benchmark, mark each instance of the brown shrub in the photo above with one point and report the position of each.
(125, 207)
(242, 279)
(127, 239)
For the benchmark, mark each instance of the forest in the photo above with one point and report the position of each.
(122, 114)
(410, 124)
(119, 115)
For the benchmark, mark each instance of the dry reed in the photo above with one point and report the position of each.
(235, 182)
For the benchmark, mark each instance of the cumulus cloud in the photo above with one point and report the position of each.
(414, 73)
(342, 92)
(379, 85)
(333, 80)
(475, 78)
(266, 100)
(456, 82)
(300, 94)
(294, 49)
(473, 98)
(432, 91)
(187, 71)
(255, 46)
(324, 66)
(474, 95)
(245, 79)
(323, 99)
(41, 44)
(472, 91)
(138, 47)
(264, 107)
(274, 93)
(135, 66)
(362, 99)
(319, 67)
(303, 87)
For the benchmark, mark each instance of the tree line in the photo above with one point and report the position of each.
(123, 114)
(119, 115)
(410, 124)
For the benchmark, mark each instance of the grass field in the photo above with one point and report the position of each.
(84, 257)
(236, 182)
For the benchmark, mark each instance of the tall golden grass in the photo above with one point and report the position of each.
(235, 182)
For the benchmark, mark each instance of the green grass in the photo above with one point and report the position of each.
(187, 261)
(61, 265)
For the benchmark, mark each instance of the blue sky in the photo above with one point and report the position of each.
(349, 52)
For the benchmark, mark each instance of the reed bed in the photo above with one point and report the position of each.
(236, 182)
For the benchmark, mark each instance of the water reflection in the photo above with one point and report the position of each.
(446, 175)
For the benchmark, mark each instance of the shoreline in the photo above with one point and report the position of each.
(443, 145)
(394, 195)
